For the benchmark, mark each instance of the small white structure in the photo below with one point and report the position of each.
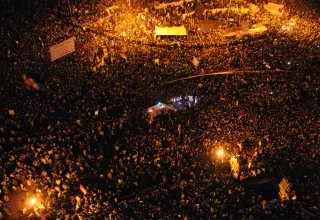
(157, 109)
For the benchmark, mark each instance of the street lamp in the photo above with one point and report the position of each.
(220, 153)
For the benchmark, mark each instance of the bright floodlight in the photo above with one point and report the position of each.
(220, 153)
(32, 201)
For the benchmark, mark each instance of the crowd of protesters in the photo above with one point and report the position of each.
(83, 146)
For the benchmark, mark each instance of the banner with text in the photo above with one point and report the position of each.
(62, 49)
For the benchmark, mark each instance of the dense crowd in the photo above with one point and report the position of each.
(82, 145)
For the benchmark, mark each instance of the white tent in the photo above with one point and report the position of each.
(170, 31)
(155, 110)
(274, 9)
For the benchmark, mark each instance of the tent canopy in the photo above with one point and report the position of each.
(155, 110)
(158, 107)
(170, 31)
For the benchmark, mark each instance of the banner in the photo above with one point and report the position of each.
(244, 30)
(170, 31)
(187, 15)
(285, 188)
(156, 61)
(29, 83)
(275, 9)
(62, 49)
(172, 4)
(195, 62)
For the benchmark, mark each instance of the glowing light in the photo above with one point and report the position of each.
(220, 153)
(32, 201)
(292, 23)
(160, 105)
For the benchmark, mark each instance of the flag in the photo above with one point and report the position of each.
(268, 66)
(83, 190)
(29, 83)
(78, 204)
(156, 61)
(124, 56)
(99, 65)
(195, 62)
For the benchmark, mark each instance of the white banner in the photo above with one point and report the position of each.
(172, 4)
(64, 48)
(170, 31)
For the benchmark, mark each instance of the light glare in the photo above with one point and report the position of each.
(220, 153)
(32, 201)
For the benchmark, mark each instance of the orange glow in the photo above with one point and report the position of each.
(32, 201)
(220, 153)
